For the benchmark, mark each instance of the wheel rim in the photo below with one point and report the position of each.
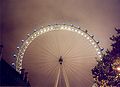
(72, 52)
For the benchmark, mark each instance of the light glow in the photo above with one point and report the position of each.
(85, 35)
(32, 37)
(88, 38)
(27, 42)
(93, 43)
(79, 32)
(98, 52)
(118, 68)
(82, 33)
(75, 30)
(38, 33)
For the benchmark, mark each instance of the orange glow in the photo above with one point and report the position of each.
(118, 68)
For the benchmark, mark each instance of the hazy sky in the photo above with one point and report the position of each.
(19, 17)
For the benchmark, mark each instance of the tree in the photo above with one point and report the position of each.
(107, 72)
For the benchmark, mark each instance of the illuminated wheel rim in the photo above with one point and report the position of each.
(71, 52)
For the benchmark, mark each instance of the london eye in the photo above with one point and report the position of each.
(59, 55)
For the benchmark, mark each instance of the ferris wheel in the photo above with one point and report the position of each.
(59, 55)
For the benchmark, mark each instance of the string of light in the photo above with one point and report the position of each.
(41, 30)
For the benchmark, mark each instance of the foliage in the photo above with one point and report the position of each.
(107, 72)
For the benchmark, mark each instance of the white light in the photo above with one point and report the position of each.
(20, 60)
(75, 30)
(22, 40)
(69, 28)
(53, 28)
(88, 38)
(82, 33)
(13, 64)
(44, 30)
(95, 46)
(41, 31)
(71, 25)
(102, 49)
(62, 27)
(21, 56)
(97, 49)
(118, 68)
(85, 35)
(14, 55)
(92, 36)
(35, 34)
(18, 47)
(93, 43)
(48, 29)
(97, 42)
(100, 55)
(78, 27)
(34, 30)
(72, 29)
(38, 33)
(22, 53)
(65, 27)
(28, 35)
(27, 42)
(32, 37)
(98, 52)
(23, 50)
(79, 32)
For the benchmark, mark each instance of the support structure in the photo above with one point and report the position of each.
(61, 69)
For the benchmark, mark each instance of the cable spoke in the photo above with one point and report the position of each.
(70, 46)
(62, 48)
(76, 71)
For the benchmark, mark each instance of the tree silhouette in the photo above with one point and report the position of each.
(107, 72)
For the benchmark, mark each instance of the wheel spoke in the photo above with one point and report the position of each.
(75, 52)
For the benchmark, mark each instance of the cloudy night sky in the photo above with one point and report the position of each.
(19, 17)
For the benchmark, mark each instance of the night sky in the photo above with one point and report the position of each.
(19, 17)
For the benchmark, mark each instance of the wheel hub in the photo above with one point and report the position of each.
(60, 60)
